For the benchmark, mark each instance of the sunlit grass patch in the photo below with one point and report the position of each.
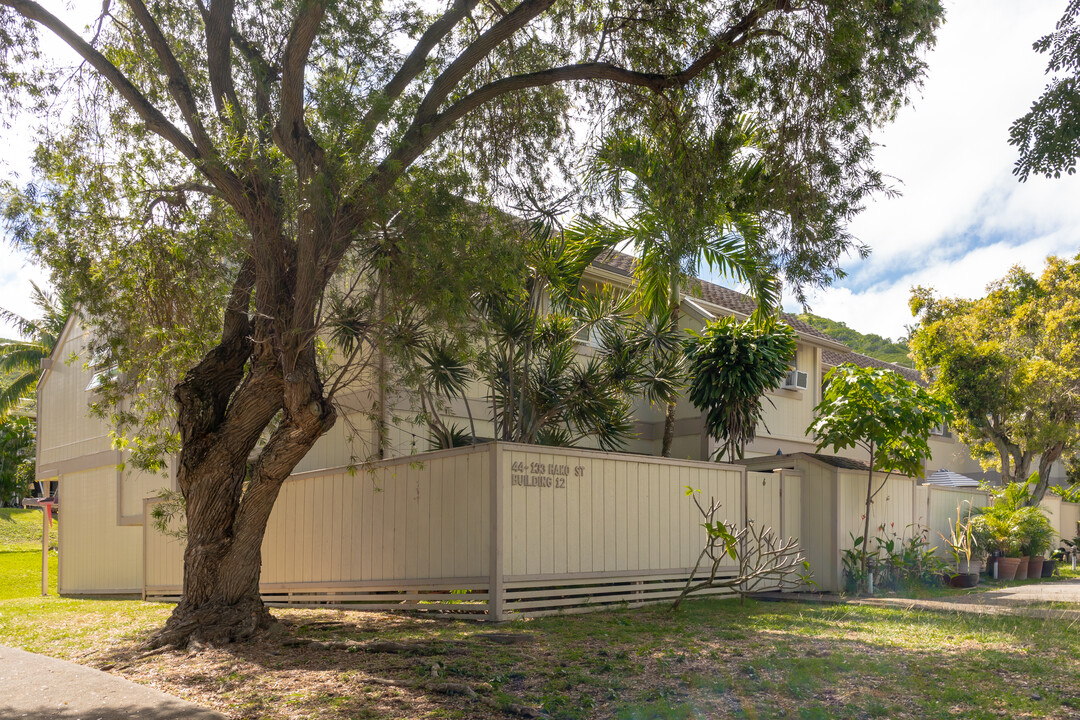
(20, 530)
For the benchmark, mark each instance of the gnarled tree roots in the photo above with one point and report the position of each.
(213, 623)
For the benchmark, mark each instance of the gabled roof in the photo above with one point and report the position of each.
(623, 264)
(788, 460)
(832, 358)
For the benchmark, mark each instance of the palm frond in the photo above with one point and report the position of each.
(22, 356)
(21, 388)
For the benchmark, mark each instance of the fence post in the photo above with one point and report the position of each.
(44, 551)
(495, 569)
(745, 512)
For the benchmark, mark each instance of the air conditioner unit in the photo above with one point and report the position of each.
(795, 380)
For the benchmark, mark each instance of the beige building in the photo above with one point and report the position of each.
(103, 536)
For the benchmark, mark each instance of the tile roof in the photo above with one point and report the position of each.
(623, 264)
(832, 358)
(837, 461)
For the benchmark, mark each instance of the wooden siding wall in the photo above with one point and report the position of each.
(97, 555)
(66, 430)
(790, 412)
(606, 513)
(572, 529)
(576, 529)
(352, 534)
(1069, 520)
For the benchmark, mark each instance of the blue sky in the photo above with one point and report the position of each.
(962, 220)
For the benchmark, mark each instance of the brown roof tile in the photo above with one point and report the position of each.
(832, 358)
(623, 264)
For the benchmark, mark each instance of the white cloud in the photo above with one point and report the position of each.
(15, 287)
(963, 219)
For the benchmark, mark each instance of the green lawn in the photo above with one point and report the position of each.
(21, 573)
(20, 554)
(715, 659)
(21, 529)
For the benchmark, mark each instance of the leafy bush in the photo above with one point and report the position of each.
(896, 561)
(732, 365)
(1010, 526)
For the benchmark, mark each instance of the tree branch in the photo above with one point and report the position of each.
(155, 120)
(218, 21)
(179, 84)
(475, 53)
(291, 133)
(428, 126)
(414, 64)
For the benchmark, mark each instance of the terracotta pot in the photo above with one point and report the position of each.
(1048, 568)
(1035, 565)
(1007, 567)
(1021, 569)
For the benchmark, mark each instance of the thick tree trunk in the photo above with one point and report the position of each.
(1046, 460)
(225, 404)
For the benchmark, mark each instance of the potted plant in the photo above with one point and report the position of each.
(1035, 535)
(993, 530)
(963, 545)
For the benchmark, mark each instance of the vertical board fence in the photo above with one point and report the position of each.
(494, 531)
(500, 530)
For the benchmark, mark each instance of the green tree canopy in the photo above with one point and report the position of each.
(882, 413)
(1048, 136)
(265, 148)
(1010, 363)
(871, 344)
(732, 365)
(17, 461)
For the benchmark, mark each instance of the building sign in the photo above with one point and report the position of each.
(543, 475)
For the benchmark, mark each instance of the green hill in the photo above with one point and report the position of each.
(875, 346)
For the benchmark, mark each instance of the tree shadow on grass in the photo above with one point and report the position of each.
(769, 659)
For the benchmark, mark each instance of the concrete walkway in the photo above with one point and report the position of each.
(1017, 600)
(1025, 600)
(44, 688)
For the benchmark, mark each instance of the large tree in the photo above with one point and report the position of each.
(1010, 363)
(1048, 136)
(279, 135)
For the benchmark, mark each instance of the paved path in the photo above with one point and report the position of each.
(1016, 600)
(44, 688)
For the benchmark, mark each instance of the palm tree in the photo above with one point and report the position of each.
(694, 198)
(20, 360)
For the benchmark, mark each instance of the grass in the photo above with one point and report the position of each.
(21, 573)
(714, 659)
(20, 530)
(717, 658)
